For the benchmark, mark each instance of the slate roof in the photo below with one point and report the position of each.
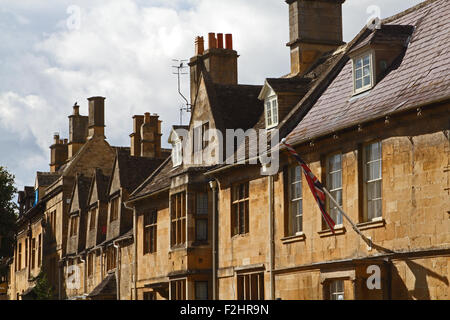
(106, 288)
(421, 78)
(102, 185)
(83, 184)
(134, 170)
(46, 179)
(387, 34)
(159, 180)
(233, 106)
(297, 85)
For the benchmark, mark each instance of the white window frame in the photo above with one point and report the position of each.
(177, 154)
(293, 182)
(331, 190)
(364, 88)
(271, 111)
(367, 182)
(334, 292)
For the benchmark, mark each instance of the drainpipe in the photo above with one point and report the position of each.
(270, 189)
(117, 269)
(135, 249)
(213, 186)
(101, 264)
(85, 273)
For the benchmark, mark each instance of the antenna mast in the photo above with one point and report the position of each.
(180, 68)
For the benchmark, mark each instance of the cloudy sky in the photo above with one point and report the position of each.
(56, 52)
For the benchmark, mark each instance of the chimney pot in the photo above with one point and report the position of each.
(147, 117)
(199, 46)
(56, 138)
(212, 41)
(220, 40)
(229, 41)
(76, 109)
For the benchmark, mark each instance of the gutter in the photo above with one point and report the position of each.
(135, 266)
(146, 196)
(85, 274)
(213, 186)
(271, 235)
(117, 247)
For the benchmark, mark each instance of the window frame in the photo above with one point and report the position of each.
(92, 218)
(371, 54)
(271, 112)
(245, 283)
(196, 293)
(114, 215)
(178, 219)
(74, 222)
(150, 234)
(328, 184)
(33, 253)
(333, 291)
(90, 264)
(236, 228)
(177, 153)
(366, 182)
(178, 289)
(290, 228)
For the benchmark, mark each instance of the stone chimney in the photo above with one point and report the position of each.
(78, 131)
(220, 61)
(58, 153)
(151, 136)
(136, 140)
(315, 27)
(96, 117)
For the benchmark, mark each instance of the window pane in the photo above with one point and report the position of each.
(202, 229)
(366, 60)
(201, 290)
(275, 111)
(358, 84)
(202, 203)
(358, 63)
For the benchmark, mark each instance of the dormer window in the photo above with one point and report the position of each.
(271, 111)
(177, 156)
(363, 73)
(176, 140)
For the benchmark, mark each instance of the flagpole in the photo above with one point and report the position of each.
(346, 217)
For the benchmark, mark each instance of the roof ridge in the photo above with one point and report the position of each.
(407, 11)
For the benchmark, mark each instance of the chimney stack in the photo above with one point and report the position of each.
(136, 140)
(219, 61)
(58, 153)
(151, 136)
(96, 117)
(315, 27)
(78, 131)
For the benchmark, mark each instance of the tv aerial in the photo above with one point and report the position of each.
(180, 69)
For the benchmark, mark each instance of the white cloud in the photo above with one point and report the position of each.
(123, 50)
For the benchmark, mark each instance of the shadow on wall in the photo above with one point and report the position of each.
(421, 290)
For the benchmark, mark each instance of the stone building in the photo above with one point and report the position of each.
(369, 117)
(374, 127)
(54, 229)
